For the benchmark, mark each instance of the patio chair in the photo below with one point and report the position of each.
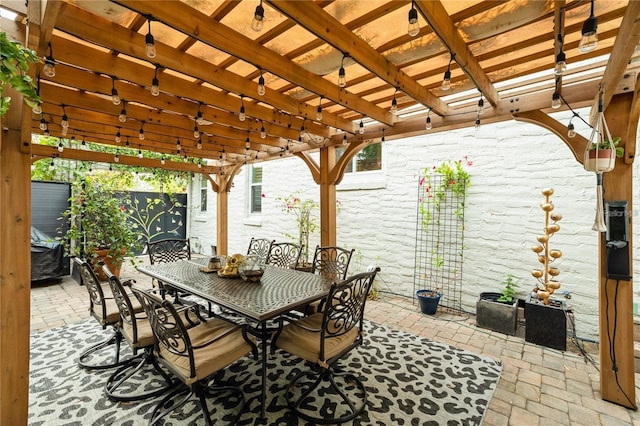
(331, 262)
(194, 354)
(105, 311)
(322, 339)
(165, 251)
(284, 255)
(260, 247)
(136, 330)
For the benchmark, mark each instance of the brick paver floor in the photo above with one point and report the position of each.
(538, 386)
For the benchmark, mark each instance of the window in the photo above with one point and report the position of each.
(255, 191)
(203, 193)
(369, 159)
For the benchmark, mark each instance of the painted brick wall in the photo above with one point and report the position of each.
(512, 163)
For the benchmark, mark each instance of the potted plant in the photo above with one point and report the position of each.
(428, 300)
(13, 72)
(498, 311)
(601, 155)
(306, 220)
(98, 229)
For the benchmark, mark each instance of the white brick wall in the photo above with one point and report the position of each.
(512, 163)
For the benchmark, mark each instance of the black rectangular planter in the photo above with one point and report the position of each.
(546, 325)
(496, 316)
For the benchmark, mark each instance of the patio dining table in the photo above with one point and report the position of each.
(279, 291)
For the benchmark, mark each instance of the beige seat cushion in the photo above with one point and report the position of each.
(213, 357)
(306, 344)
(145, 333)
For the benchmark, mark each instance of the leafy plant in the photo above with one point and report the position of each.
(306, 220)
(606, 144)
(508, 289)
(14, 65)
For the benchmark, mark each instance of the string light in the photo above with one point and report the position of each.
(382, 139)
(319, 110)
(258, 18)
(394, 104)
(446, 81)
(178, 146)
(242, 115)
(114, 92)
(361, 127)
(60, 146)
(65, 119)
(162, 160)
(199, 118)
(118, 137)
(263, 133)
(199, 144)
(247, 145)
(589, 40)
(477, 126)
(561, 64)
(116, 158)
(49, 68)
(196, 131)
(123, 112)
(139, 153)
(428, 124)
(150, 46)
(141, 132)
(43, 123)
(555, 100)
(571, 131)
(52, 166)
(155, 84)
(480, 108)
(261, 89)
(302, 130)
(342, 75)
(344, 139)
(414, 26)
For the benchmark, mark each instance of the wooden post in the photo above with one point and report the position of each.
(222, 218)
(15, 262)
(327, 197)
(617, 372)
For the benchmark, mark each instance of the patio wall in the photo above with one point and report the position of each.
(512, 163)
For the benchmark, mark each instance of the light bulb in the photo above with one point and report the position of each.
(118, 137)
(263, 133)
(247, 145)
(258, 19)
(429, 125)
(141, 134)
(139, 153)
(261, 89)
(150, 46)
(185, 159)
(414, 27)
(199, 144)
(561, 64)
(477, 127)
(480, 108)
(555, 100)
(162, 160)
(344, 139)
(155, 87)
(116, 158)
(65, 121)
(342, 77)
(60, 147)
(200, 163)
(361, 128)
(49, 68)
(114, 96)
(123, 116)
(571, 131)
(37, 109)
(196, 132)
(394, 106)
(43, 124)
(178, 146)
(319, 113)
(51, 165)
(589, 40)
(199, 119)
(446, 81)
(242, 115)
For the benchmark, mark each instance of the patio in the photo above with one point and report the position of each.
(538, 385)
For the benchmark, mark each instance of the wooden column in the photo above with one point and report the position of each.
(327, 197)
(15, 263)
(222, 220)
(616, 296)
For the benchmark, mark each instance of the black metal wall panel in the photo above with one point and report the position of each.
(48, 201)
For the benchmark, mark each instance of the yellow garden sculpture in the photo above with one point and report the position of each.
(547, 283)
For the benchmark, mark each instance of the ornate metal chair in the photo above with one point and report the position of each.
(165, 251)
(322, 339)
(105, 311)
(136, 330)
(331, 262)
(194, 354)
(284, 255)
(260, 247)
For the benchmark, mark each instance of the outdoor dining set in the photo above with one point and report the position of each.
(198, 316)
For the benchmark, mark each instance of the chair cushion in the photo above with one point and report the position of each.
(210, 358)
(306, 344)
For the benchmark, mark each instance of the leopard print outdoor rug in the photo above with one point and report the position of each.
(410, 380)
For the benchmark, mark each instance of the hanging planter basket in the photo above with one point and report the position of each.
(600, 153)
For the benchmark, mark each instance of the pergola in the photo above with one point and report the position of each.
(228, 83)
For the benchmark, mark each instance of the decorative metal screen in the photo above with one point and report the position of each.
(439, 241)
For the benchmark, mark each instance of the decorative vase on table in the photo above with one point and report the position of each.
(428, 300)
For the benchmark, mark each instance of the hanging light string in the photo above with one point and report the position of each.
(342, 75)
(446, 80)
(49, 68)
(150, 46)
(155, 84)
